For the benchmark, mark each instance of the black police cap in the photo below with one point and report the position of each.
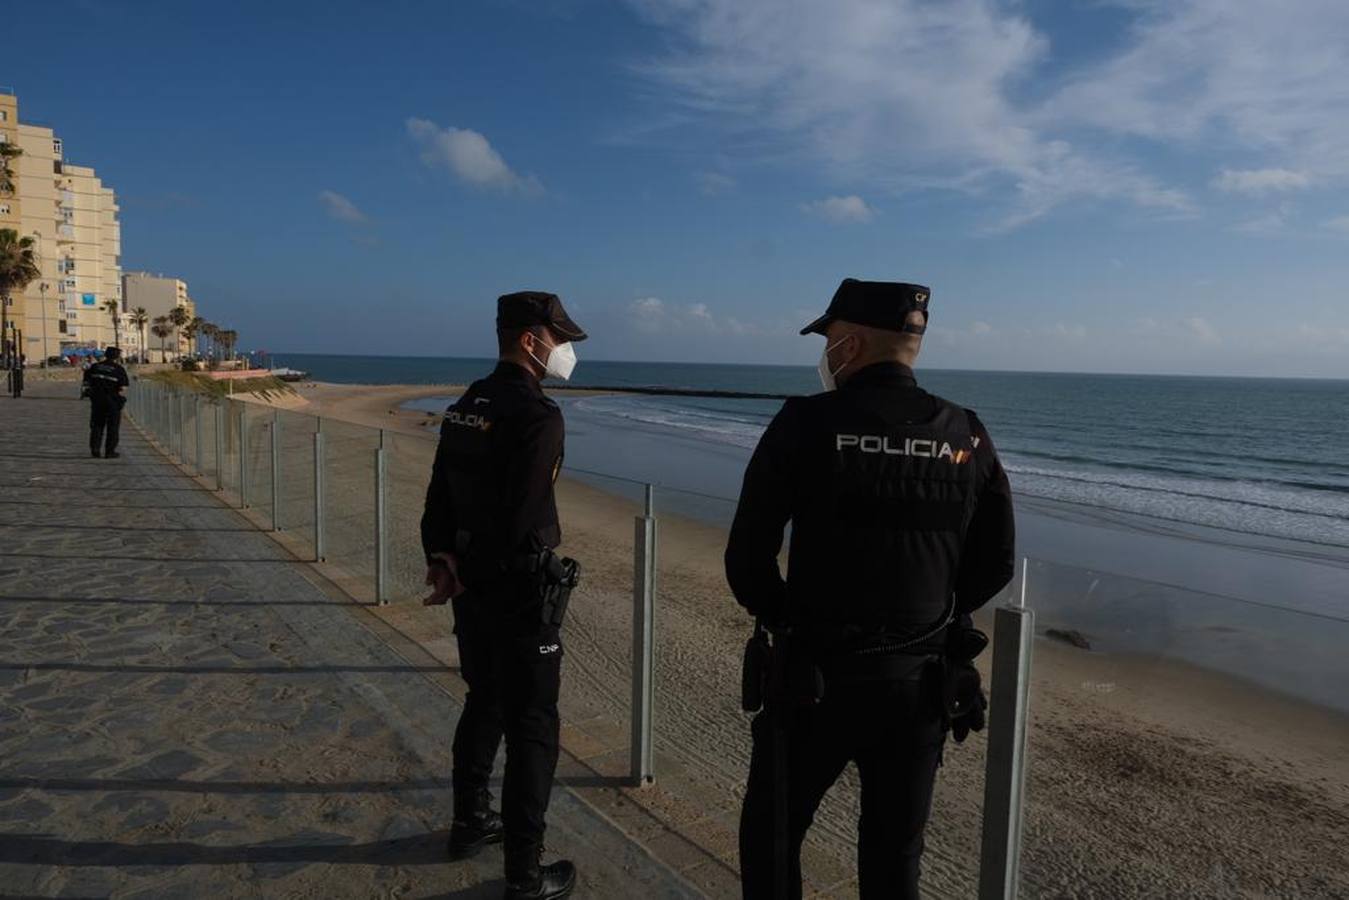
(525, 309)
(879, 304)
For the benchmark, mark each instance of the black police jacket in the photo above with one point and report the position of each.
(898, 506)
(104, 379)
(491, 494)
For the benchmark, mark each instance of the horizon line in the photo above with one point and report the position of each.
(919, 369)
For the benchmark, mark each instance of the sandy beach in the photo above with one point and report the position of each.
(1149, 776)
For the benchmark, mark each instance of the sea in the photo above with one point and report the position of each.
(1260, 456)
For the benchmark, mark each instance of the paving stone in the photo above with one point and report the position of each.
(170, 764)
(28, 811)
(207, 827)
(402, 826)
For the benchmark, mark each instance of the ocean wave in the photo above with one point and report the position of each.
(1290, 504)
(1254, 495)
(739, 431)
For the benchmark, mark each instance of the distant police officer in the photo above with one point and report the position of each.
(104, 382)
(489, 530)
(901, 525)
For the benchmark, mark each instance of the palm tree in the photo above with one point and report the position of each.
(8, 153)
(18, 266)
(179, 317)
(114, 310)
(211, 332)
(140, 318)
(230, 337)
(190, 330)
(161, 330)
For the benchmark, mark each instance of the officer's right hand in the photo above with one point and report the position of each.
(442, 575)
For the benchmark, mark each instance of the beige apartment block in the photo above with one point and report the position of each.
(159, 295)
(73, 218)
(11, 207)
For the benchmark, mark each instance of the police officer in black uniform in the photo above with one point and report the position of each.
(901, 525)
(489, 530)
(105, 382)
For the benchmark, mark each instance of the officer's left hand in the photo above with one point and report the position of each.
(443, 577)
(974, 718)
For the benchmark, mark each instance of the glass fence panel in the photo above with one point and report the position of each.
(188, 417)
(210, 463)
(349, 504)
(702, 735)
(295, 437)
(230, 412)
(259, 421)
(1182, 743)
(597, 516)
(407, 471)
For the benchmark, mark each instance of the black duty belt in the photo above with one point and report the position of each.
(877, 667)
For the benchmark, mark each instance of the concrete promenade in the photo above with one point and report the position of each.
(187, 712)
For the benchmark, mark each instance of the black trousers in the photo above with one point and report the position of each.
(894, 732)
(513, 673)
(105, 416)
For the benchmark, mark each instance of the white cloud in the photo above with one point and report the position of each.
(340, 208)
(714, 183)
(1339, 223)
(851, 208)
(1068, 332)
(651, 315)
(1262, 75)
(904, 94)
(469, 156)
(1260, 181)
(1200, 329)
(911, 94)
(981, 328)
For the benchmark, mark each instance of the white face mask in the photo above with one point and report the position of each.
(561, 362)
(827, 374)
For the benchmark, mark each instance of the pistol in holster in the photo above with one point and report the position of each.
(773, 676)
(558, 577)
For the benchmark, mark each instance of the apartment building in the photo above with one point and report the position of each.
(73, 219)
(159, 295)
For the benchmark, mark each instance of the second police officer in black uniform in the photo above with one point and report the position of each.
(901, 525)
(105, 382)
(489, 530)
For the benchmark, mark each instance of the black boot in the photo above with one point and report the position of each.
(526, 879)
(475, 824)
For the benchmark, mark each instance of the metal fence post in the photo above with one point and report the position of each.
(276, 470)
(319, 549)
(381, 535)
(1005, 764)
(643, 642)
(243, 458)
(196, 421)
(220, 446)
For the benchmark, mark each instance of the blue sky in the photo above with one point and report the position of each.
(1143, 185)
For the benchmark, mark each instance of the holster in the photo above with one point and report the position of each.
(776, 677)
(754, 670)
(558, 577)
